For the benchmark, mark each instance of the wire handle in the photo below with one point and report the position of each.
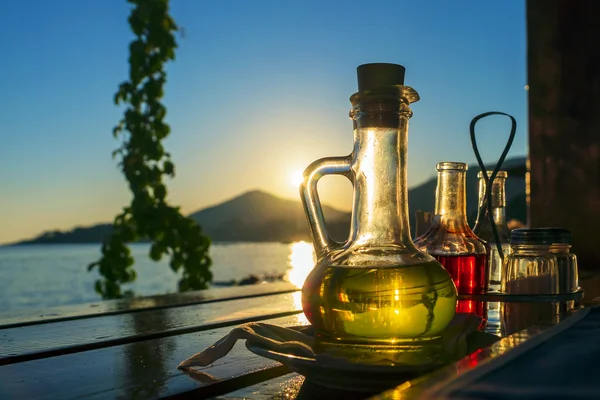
(488, 190)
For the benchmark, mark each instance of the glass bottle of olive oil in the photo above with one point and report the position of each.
(375, 289)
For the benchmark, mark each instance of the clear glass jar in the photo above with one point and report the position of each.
(376, 288)
(452, 242)
(567, 264)
(567, 261)
(530, 269)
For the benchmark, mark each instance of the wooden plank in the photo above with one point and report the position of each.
(564, 121)
(291, 386)
(414, 389)
(479, 362)
(287, 386)
(540, 370)
(48, 340)
(218, 388)
(144, 370)
(114, 307)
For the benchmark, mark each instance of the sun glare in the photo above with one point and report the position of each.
(296, 178)
(301, 262)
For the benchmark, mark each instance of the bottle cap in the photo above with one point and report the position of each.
(543, 236)
(500, 174)
(378, 75)
(451, 165)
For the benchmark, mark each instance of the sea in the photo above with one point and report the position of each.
(40, 276)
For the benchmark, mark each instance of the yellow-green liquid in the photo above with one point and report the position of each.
(386, 305)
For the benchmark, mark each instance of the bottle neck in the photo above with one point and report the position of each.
(451, 200)
(380, 209)
(498, 208)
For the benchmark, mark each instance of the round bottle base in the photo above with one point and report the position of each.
(417, 351)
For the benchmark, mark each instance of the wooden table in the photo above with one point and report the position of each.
(129, 349)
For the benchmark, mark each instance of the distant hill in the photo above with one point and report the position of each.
(257, 216)
(87, 234)
(261, 217)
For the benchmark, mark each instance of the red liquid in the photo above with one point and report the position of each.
(469, 272)
(478, 308)
(470, 275)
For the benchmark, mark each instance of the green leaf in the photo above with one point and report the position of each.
(156, 252)
(98, 287)
(169, 168)
(160, 191)
(137, 24)
(176, 262)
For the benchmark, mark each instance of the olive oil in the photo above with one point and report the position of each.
(379, 305)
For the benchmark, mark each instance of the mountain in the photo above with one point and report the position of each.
(87, 234)
(257, 216)
(262, 217)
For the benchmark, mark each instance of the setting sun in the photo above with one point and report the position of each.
(296, 178)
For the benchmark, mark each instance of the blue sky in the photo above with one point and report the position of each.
(259, 89)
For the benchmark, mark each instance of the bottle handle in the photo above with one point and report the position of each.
(323, 243)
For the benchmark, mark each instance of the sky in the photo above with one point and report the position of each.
(259, 89)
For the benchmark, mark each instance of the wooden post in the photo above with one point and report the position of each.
(564, 121)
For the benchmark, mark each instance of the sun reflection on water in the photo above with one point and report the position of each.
(297, 299)
(301, 261)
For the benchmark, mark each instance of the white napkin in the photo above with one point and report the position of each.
(299, 340)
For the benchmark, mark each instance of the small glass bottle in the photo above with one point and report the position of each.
(452, 242)
(483, 229)
(483, 226)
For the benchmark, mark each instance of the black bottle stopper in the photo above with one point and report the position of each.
(378, 75)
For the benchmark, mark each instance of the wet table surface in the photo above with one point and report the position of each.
(129, 349)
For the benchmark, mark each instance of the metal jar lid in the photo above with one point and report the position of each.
(540, 236)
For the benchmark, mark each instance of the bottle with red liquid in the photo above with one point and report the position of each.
(452, 242)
